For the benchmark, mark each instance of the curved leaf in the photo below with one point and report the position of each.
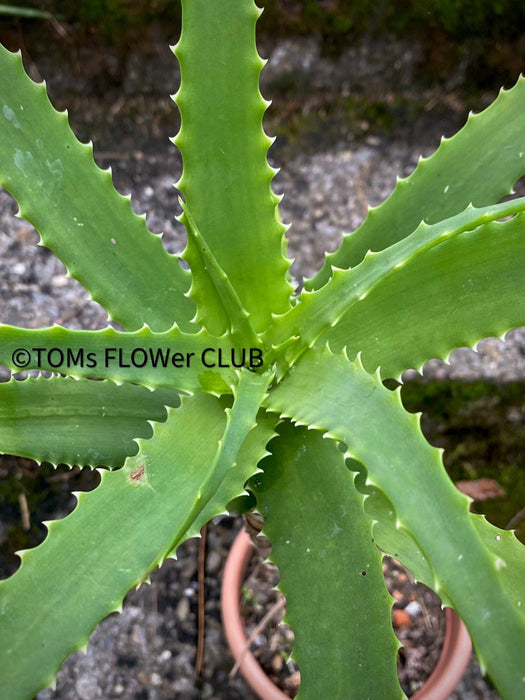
(41, 622)
(78, 212)
(60, 420)
(479, 165)
(226, 177)
(399, 543)
(173, 360)
(313, 515)
(237, 319)
(466, 290)
(330, 393)
(240, 420)
(329, 313)
(149, 502)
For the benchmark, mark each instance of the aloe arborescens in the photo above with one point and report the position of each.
(222, 378)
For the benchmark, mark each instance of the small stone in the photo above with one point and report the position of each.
(86, 688)
(142, 678)
(155, 679)
(207, 692)
(413, 608)
(183, 609)
(401, 618)
(277, 662)
(294, 681)
(213, 562)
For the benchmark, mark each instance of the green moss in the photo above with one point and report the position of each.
(481, 426)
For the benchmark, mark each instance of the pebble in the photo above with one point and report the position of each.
(165, 656)
(182, 609)
(213, 561)
(413, 608)
(401, 618)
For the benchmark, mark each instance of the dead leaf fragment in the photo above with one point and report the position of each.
(481, 489)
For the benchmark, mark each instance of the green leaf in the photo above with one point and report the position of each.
(466, 291)
(329, 313)
(204, 263)
(314, 518)
(479, 165)
(60, 420)
(17, 11)
(79, 214)
(240, 420)
(232, 487)
(330, 393)
(226, 178)
(174, 360)
(389, 534)
(399, 543)
(41, 622)
(146, 502)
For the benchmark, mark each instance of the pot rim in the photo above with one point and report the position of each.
(455, 655)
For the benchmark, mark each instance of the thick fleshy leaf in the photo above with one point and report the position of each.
(232, 487)
(330, 569)
(80, 215)
(389, 534)
(41, 621)
(330, 393)
(237, 318)
(226, 178)
(479, 166)
(240, 420)
(61, 420)
(384, 282)
(176, 360)
(467, 289)
(399, 543)
(150, 502)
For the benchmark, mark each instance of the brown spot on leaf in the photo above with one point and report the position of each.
(137, 474)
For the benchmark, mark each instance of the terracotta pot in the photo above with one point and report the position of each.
(455, 654)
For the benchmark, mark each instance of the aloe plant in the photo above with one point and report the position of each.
(224, 380)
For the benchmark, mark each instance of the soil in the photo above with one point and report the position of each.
(346, 126)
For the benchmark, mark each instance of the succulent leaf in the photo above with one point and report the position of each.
(144, 501)
(466, 291)
(147, 502)
(317, 524)
(226, 179)
(253, 449)
(328, 313)
(78, 212)
(328, 392)
(241, 418)
(60, 420)
(479, 165)
(389, 534)
(399, 543)
(173, 360)
(202, 259)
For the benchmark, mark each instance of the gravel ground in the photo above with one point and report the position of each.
(148, 650)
